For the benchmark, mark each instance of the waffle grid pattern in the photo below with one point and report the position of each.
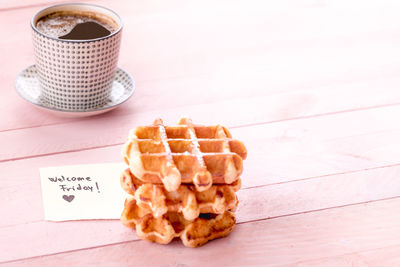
(163, 229)
(185, 153)
(182, 181)
(186, 200)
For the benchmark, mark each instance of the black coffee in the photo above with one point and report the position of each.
(76, 25)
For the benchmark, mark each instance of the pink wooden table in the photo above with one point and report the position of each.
(311, 87)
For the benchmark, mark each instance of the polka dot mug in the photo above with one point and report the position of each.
(76, 75)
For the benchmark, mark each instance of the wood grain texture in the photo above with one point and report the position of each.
(281, 241)
(387, 256)
(311, 87)
(335, 143)
(207, 62)
(280, 152)
(255, 204)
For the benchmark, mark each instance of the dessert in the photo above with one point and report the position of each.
(172, 224)
(181, 182)
(185, 153)
(186, 200)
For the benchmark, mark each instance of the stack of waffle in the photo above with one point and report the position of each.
(181, 182)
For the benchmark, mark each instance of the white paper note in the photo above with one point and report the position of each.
(82, 192)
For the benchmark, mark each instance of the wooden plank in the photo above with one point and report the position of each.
(331, 144)
(387, 256)
(348, 260)
(285, 240)
(255, 204)
(302, 149)
(322, 145)
(278, 152)
(208, 63)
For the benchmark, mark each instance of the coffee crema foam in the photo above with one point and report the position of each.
(60, 23)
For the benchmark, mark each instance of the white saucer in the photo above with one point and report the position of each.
(28, 87)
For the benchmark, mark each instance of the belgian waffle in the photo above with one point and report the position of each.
(186, 200)
(185, 153)
(163, 229)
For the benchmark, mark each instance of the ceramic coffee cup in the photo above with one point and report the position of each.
(76, 75)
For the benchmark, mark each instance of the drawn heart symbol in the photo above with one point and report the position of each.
(68, 198)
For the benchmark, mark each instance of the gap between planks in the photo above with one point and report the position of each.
(57, 153)
(283, 166)
(322, 176)
(231, 127)
(347, 211)
(221, 58)
(279, 184)
(257, 205)
(239, 126)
